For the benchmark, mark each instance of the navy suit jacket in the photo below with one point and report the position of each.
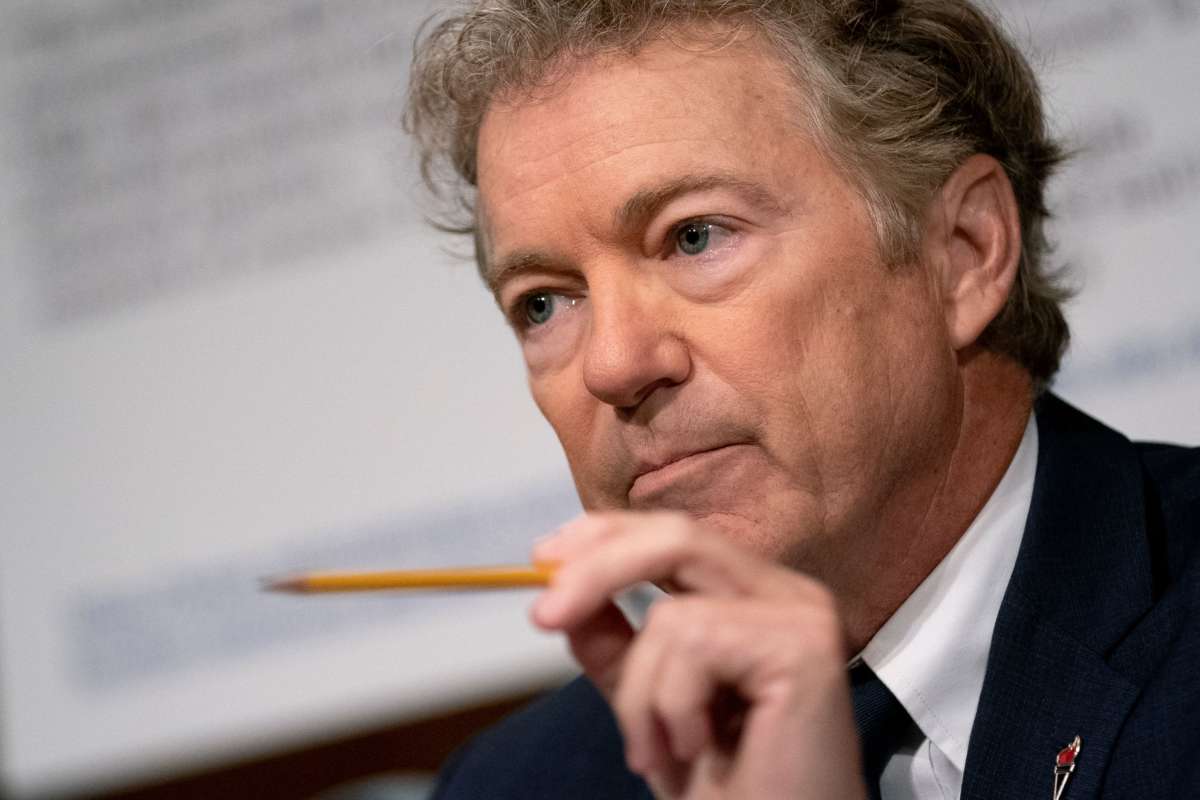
(1098, 636)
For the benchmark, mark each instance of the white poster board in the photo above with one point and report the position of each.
(230, 346)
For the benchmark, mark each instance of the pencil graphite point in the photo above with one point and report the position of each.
(285, 584)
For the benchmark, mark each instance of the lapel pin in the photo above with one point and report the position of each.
(1064, 765)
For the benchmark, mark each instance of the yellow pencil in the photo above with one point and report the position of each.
(500, 577)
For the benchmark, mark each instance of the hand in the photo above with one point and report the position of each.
(735, 687)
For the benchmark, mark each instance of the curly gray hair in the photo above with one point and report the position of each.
(898, 92)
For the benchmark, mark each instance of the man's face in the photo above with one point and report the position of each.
(700, 300)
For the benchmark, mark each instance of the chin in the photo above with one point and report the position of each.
(798, 549)
(754, 534)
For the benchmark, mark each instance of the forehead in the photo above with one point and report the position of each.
(610, 122)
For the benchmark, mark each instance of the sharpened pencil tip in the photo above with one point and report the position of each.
(285, 584)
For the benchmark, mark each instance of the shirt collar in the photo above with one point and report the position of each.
(932, 653)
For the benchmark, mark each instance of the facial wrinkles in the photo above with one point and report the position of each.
(592, 135)
(918, 494)
(723, 399)
(817, 458)
(829, 320)
(527, 203)
(582, 169)
(672, 419)
(703, 411)
(728, 415)
(599, 138)
(876, 443)
(887, 438)
(682, 421)
(807, 466)
(944, 469)
(698, 412)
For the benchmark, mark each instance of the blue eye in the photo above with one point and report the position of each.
(692, 238)
(538, 308)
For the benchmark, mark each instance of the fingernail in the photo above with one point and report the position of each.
(553, 535)
(545, 609)
(573, 523)
(541, 542)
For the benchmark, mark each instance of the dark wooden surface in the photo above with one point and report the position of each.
(418, 746)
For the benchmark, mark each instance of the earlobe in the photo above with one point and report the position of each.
(975, 235)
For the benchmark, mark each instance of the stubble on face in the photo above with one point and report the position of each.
(787, 386)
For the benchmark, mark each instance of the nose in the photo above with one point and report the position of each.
(631, 349)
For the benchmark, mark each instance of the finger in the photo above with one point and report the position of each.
(670, 781)
(684, 693)
(646, 747)
(569, 538)
(785, 668)
(599, 644)
(753, 646)
(669, 699)
(647, 547)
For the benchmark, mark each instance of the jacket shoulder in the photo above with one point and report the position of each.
(1155, 755)
(1175, 468)
(564, 745)
(1172, 487)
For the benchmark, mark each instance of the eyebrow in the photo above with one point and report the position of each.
(513, 264)
(633, 215)
(636, 212)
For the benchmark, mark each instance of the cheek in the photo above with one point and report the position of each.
(552, 395)
(871, 363)
(572, 414)
(551, 349)
(834, 345)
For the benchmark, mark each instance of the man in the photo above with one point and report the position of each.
(776, 272)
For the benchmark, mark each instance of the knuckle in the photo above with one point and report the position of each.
(661, 616)
(605, 524)
(695, 634)
(675, 710)
(819, 638)
(686, 623)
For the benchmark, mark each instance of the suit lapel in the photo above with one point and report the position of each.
(1042, 690)
(1081, 582)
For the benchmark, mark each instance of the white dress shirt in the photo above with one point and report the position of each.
(933, 651)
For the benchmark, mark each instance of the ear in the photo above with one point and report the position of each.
(973, 241)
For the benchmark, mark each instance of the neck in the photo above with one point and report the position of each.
(929, 515)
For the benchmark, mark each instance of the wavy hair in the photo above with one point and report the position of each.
(898, 92)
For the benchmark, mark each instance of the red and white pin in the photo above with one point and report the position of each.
(1064, 765)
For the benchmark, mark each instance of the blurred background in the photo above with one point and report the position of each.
(231, 347)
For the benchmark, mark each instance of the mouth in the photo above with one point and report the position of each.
(680, 472)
